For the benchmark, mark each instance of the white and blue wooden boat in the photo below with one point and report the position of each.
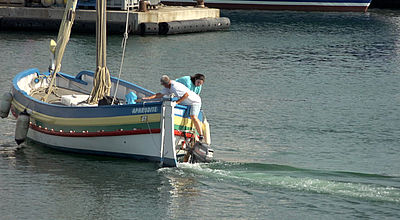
(155, 131)
(64, 118)
(293, 5)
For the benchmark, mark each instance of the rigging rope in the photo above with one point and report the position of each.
(62, 40)
(123, 45)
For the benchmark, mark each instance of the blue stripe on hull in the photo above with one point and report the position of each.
(85, 112)
(167, 162)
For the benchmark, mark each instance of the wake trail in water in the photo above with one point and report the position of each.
(370, 187)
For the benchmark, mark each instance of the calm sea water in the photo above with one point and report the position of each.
(304, 110)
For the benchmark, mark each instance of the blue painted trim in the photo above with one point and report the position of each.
(25, 73)
(86, 112)
(121, 82)
(167, 162)
(83, 112)
(186, 112)
(22, 74)
(75, 112)
(72, 78)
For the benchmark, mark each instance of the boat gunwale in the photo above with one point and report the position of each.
(50, 109)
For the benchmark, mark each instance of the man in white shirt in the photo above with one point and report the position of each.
(184, 95)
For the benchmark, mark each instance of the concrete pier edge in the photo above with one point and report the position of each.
(49, 18)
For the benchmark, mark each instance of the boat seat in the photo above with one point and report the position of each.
(75, 100)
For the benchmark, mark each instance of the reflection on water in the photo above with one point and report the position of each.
(303, 109)
(93, 185)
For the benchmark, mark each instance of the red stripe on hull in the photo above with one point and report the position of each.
(183, 134)
(104, 133)
(275, 7)
(93, 134)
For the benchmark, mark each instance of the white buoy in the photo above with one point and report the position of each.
(206, 132)
(22, 126)
(5, 104)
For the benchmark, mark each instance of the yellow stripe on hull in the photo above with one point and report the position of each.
(186, 122)
(98, 121)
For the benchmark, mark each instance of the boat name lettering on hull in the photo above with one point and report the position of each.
(144, 110)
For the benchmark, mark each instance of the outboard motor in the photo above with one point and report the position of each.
(22, 126)
(5, 105)
(201, 153)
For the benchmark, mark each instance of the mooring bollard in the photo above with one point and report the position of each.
(143, 6)
(200, 4)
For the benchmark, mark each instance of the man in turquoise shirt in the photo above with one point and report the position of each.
(194, 83)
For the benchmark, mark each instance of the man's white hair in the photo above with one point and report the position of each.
(165, 80)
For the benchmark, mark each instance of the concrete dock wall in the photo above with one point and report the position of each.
(50, 18)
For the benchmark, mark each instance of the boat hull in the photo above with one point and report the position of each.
(137, 147)
(291, 5)
(144, 131)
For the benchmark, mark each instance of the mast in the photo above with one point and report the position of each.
(101, 81)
